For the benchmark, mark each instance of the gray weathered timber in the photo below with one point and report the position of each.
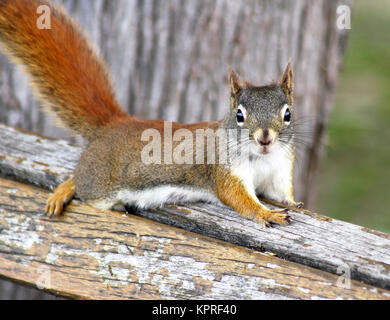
(34, 157)
(93, 254)
(323, 243)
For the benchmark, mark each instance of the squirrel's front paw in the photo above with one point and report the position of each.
(279, 216)
(298, 205)
(292, 203)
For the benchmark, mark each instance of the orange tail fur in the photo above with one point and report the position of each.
(65, 71)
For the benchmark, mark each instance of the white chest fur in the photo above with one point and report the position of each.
(268, 174)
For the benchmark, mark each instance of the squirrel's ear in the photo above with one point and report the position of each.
(236, 84)
(287, 83)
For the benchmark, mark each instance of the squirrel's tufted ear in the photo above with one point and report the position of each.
(287, 83)
(236, 84)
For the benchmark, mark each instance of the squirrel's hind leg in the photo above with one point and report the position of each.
(61, 196)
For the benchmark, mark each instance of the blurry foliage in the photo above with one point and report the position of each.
(355, 176)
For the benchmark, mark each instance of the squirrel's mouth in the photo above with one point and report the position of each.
(265, 138)
(264, 150)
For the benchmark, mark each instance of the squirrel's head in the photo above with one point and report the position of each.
(265, 111)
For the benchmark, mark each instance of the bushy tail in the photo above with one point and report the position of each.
(65, 71)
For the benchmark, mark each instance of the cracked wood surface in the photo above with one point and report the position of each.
(91, 254)
(324, 243)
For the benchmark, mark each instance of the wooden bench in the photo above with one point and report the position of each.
(199, 251)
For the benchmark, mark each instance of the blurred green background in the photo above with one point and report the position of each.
(355, 175)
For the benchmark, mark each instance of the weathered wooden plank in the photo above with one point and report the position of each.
(326, 244)
(35, 159)
(110, 255)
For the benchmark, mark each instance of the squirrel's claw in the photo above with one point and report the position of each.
(55, 205)
(299, 205)
(278, 216)
(61, 196)
(264, 223)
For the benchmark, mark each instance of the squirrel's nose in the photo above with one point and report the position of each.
(266, 139)
(265, 142)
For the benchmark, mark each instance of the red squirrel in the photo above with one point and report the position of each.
(73, 81)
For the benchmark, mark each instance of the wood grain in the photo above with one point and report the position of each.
(89, 254)
(323, 243)
(169, 60)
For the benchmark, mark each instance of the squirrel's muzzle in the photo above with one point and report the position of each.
(265, 137)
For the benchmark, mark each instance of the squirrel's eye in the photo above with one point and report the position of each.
(240, 117)
(287, 115)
